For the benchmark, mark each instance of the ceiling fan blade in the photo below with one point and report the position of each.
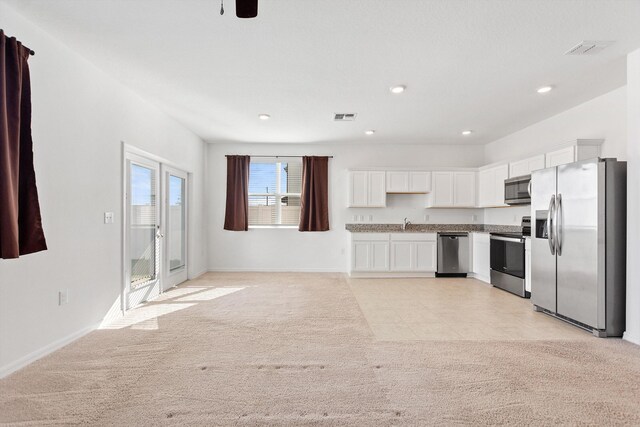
(246, 8)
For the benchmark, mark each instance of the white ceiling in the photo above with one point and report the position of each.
(468, 64)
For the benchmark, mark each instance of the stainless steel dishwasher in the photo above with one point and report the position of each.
(453, 254)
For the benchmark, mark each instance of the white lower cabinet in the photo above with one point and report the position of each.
(413, 252)
(370, 252)
(481, 256)
(395, 252)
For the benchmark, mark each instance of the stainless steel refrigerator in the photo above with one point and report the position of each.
(578, 244)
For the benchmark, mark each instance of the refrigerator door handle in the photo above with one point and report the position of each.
(550, 221)
(558, 224)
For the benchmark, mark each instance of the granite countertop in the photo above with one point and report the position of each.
(432, 228)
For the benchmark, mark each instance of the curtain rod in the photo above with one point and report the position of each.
(30, 51)
(277, 157)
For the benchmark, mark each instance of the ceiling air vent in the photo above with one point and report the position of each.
(344, 117)
(589, 47)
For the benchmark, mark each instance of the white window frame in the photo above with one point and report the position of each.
(278, 194)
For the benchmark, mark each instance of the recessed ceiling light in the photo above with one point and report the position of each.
(398, 89)
(545, 89)
(467, 132)
(264, 116)
(370, 132)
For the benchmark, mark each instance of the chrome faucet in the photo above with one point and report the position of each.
(405, 223)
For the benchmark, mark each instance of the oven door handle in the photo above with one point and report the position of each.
(507, 239)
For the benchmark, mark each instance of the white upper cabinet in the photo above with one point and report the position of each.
(397, 182)
(526, 166)
(367, 189)
(408, 182)
(442, 189)
(560, 157)
(491, 186)
(377, 189)
(582, 149)
(419, 182)
(464, 189)
(453, 189)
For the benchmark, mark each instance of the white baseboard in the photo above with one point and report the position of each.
(43, 351)
(198, 274)
(631, 338)
(275, 270)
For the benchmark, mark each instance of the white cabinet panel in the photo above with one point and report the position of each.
(377, 189)
(519, 168)
(358, 189)
(397, 182)
(481, 256)
(442, 191)
(486, 180)
(360, 256)
(419, 182)
(379, 256)
(401, 256)
(464, 189)
(500, 174)
(526, 166)
(426, 256)
(560, 157)
(408, 182)
(370, 255)
(535, 163)
(367, 189)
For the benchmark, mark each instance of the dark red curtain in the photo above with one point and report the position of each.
(237, 214)
(314, 201)
(20, 222)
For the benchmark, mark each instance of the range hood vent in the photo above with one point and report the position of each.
(589, 47)
(344, 117)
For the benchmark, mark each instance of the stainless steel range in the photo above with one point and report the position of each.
(508, 259)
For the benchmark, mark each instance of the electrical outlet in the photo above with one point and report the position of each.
(63, 297)
(108, 217)
(426, 218)
(370, 218)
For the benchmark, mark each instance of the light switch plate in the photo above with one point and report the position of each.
(108, 217)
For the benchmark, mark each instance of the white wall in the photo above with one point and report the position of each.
(289, 249)
(601, 117)
(633, 198)
(80, 117)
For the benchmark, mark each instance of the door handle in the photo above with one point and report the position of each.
(550, 214)
(558, 224)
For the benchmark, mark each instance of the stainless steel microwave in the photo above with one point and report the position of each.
(517, 191)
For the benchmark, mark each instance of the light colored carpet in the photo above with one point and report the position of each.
(295, 349)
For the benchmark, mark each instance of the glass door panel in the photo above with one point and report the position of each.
(177, 223)
(143, 226)
(175, 227)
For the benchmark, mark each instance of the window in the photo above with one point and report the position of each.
(274, 191)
